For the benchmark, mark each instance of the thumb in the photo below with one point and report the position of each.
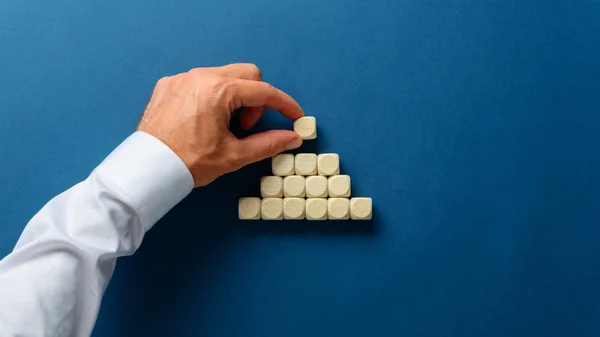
(267, 144)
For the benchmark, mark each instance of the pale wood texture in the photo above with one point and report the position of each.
(294, 186)
(338, 208)
(306, 127)
(339, 186)
(283, 164)
(316, 187)
(249, 208)
(272, 209)
(271, 187)
(328, 164)
(361, 208)
(306, 164)
(316, 209)
(294, 208)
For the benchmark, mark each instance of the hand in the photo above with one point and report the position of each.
(190, 113)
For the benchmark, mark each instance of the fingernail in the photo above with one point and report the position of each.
(294, 144)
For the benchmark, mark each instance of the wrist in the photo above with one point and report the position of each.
(150, 173)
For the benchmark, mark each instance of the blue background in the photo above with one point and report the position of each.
(474, 125)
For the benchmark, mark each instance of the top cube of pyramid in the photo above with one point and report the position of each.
(306, 127)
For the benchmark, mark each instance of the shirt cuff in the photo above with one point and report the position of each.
(150, 174)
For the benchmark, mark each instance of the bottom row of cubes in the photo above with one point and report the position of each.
(300, 208)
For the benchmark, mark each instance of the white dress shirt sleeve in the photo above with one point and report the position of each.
(53, 281)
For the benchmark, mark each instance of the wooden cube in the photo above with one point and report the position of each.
(294, 208)
(306, 127)
(316, 209)
(316, 187)
(338, 208)
(361, 208)
(283, 164)
(294, 186)
(328, 164)
(305, 164)
(272, 209)
(339, 186)
(271, 187)
(249, 208)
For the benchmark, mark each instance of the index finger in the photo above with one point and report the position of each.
(249, 93)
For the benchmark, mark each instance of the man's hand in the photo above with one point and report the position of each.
(190, 113)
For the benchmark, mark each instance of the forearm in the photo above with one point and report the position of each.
(52, 283)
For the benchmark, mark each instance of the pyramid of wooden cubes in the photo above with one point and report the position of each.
(305, 186)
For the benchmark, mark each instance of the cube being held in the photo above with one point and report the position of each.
(306, 127)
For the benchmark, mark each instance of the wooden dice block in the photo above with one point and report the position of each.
(283, 164)
(361, 208)
(338, 208)
(272, 209)
(316, 187)
(306, 127)
(328, 164)
(249, 208)
(316, 209)
(294, 208)
(294, 186)
(271, 187)
(339, 186)
(305, 164)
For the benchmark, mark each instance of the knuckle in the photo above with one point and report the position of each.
(218, 81)
(198, 76)
(162, 81)
(216, 86)
(254, 70)
(196, 71)
(271, 149)
(233, 160)
(271, 91)
(217, 92)
(194, 75)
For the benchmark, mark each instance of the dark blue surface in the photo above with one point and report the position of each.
(474, 125)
